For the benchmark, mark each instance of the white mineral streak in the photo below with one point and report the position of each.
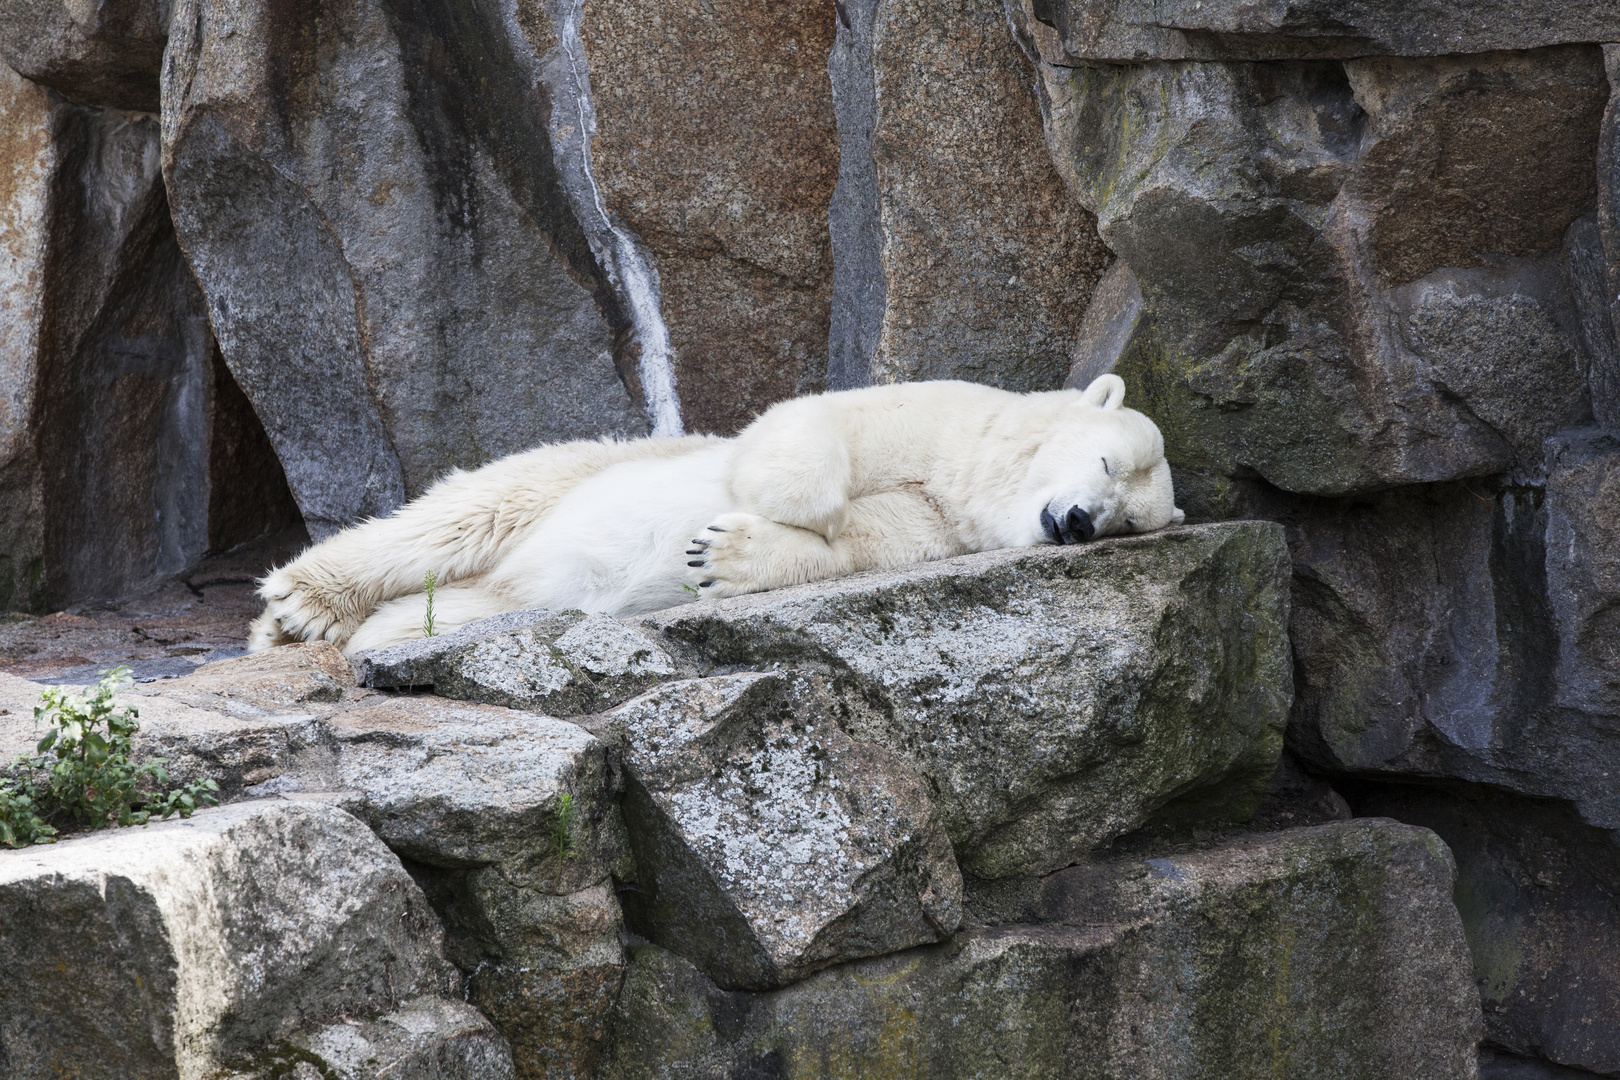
(629, 269)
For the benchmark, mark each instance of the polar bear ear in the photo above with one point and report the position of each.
(1178, 517)
(1105, 392)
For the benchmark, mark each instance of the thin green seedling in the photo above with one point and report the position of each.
(429, 581)
(562, 826)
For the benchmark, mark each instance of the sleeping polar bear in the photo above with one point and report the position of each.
(816, 487)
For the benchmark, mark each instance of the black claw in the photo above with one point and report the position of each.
(704, 584)
(696, 562)
(716, 528)
(694, 551)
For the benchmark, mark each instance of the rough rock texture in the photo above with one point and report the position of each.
(1325, 952)
(1351, 272)
(115, 417)
(1286, 29)
(562, 663)
(714, 143)
(958, 253)
(93, 52)
(1594, 257)
(216, 937)
(426, 1039)
(770, 844)
(1051, 698)
(1465, 630)
(371, 207)
(1536, 888)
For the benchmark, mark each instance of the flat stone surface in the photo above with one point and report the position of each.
(562, 663)
(1331, 951)
(959, 254)
(174, 949)
(294, 678)
(1239, 30)
(769, 843)
(1051, 698)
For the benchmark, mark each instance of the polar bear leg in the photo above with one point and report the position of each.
(404, 618)
(744, 553)
(459, 529)
(793, 466)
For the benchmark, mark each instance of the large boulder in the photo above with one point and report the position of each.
(957, 252)
(769, 843)
(1331, 951)
(1051, 698)
(1328, 251)
(712, 143)
(370, 204)
(191, 946)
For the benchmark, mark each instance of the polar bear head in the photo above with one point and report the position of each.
(1100, 472)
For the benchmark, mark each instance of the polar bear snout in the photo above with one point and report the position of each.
(1073, 527)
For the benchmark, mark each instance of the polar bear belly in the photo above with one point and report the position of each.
(617, 543)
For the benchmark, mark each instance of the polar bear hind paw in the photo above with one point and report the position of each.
(742, 553)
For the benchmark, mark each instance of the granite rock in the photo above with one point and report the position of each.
(176, 949)
(958, 253)
(1331, 951)
(1093, 30)
(1327, 252)
(769, 843)
(392, 267)
(1536, 890)
(425, 1039)
(563, 663)
(95, 53)
(111, 398)
(1052, 699)
(713, 144)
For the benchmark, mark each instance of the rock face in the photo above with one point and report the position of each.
(1327, 251)
(1536, 891)
(565, 664)
(1051, 698)
(768, 842)
(714, 144)
(97, 54)
(958, 255)
(1331, 951)
(221, 936)
(1289, 29)
(424, 252)
(116, 420)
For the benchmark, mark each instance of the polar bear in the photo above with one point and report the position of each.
(816, 487)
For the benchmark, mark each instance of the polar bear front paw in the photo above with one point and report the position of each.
(744, 553)
(297, 611)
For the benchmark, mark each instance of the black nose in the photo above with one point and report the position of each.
(1049, 526)
(1077, 526)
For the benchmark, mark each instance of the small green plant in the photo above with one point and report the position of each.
(83, 774)
(429, 581)
(693, 589)
(562, 827)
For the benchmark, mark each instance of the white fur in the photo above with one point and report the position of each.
(816, 487)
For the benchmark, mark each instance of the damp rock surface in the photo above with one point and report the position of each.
(1331, 951)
